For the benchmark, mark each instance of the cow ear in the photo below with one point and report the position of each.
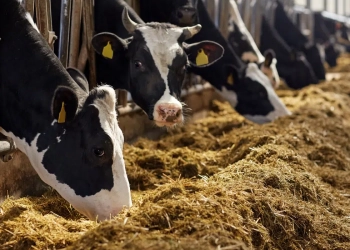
(79, 78)
(107, 44)
(269, 56)
(64, 104)
(203, 54)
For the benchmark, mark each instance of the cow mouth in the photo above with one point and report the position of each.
(166, 124)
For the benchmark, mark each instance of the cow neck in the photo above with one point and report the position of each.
(30, 74)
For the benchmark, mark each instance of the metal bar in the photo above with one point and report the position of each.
(29, 6)
(325, 5)
(64, 31)
(224, 16)
(211, 9)
(336, 2)
(88, 17)
(74, 41)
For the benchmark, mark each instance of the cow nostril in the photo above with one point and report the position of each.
(178, 113)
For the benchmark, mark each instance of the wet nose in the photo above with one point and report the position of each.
(186, 15)
(169, 112)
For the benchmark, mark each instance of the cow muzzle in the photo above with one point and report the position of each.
(168, 114)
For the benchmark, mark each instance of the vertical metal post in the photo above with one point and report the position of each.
(224, 6)
(336, 2)
(211, 8)
(29, 6)
(64, 31)
(89, 27)
(308, 4)
(74, 41)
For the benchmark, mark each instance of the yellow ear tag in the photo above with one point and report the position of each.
(230, 79)
(202, 58)
(62, 115)
(107, 51)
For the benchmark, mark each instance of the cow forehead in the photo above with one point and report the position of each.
(164, 47)
(162, 41)
(106, 103)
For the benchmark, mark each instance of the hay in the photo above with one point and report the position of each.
(221, 182)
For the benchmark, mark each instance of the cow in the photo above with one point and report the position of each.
(70, 135)
(292, 65)
(245, 86)
(295, 39)
(244, 45)
(185, 12)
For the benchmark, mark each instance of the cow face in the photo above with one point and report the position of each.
(251, 94)
(296, 70)
(157, 58)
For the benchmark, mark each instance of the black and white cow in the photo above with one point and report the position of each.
(294, 38)
(244, 45)
(245, 86)
(148, 60)
(292, 66)
(70, 135)
(185, 12)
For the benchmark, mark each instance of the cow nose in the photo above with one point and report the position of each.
(186, 16)
(169, 112)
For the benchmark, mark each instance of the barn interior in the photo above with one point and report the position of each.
(219, 182)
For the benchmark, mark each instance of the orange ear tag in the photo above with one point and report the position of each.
(230, 79)
(62, 115)
(202, 58)
(107, 51)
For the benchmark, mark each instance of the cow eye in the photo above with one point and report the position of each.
(99, 152)
(138, 64)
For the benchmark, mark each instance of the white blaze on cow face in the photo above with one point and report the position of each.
(164, 48)
(280, 109)
(105, 203)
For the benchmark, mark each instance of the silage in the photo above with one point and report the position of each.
(220, 182)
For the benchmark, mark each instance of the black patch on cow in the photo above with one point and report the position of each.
(239, 41)
(252, 96)
(82, 171)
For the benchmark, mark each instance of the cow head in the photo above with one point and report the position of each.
(158, 57)
(184, 12)
(296, 70)
(250, 92)
(242, 46)
(79, 150)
